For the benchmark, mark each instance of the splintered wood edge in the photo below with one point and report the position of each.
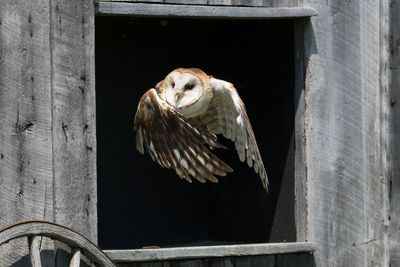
(140, 255)
(213, 12)
(56, 232)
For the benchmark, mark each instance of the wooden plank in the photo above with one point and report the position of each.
(25, 118)
(220, 2)
(34, 250)
(258, 3)
(208, 251)
(301, 208)
(73, 94)
(391, 104)
(163, 10)
(76, 258)
(136, 1)
(281, 260)
(346, 200)
(287, 3)
(193, 2)
(254, 3)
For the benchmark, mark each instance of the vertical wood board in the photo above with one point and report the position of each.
(26, 167)
(300, 167)
(44, 60)
(392, 106)
(74, 122)
(342, 123)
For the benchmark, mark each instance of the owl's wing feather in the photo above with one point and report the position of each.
(174, 143)
(227, 115)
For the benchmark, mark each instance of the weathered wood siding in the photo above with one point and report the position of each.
(26, 165)
(255, 3)
(47, 123)
(351, 125)
(266, 255)
(346, 189)
(280, 260)
(392, 113)
(74, 121)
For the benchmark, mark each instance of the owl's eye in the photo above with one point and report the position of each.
(189, 86)
(172, 84)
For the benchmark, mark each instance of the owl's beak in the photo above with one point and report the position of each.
(178, 96)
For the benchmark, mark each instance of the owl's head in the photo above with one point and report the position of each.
(188, 90)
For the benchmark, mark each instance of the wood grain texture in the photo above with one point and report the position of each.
(301, 207)
(73, 108)
(215, 12)
(283, 260)
(34, 250)
(209, 251)
(55, 232)
(76, 258)
(254, 3)
(391, 104)
(257, 3)
(136, 1)
(287, 3)
(25, 118)
(346, 199)
(193, 2)
(44, 60)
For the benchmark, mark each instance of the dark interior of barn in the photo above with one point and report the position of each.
(140, 203)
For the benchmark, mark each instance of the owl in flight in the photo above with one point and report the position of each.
(177, 123)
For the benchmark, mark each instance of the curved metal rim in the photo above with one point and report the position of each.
(57, 232)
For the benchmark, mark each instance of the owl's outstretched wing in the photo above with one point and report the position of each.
(227, 115)
(174, 143)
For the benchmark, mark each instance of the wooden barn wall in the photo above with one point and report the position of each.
(343, 134)
(47, 123)
(277, 260)
(392, 113)
(47, 120)
(256, 3)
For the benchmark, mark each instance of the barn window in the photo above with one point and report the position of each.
(141, 204)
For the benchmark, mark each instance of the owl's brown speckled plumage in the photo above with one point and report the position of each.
(175, 122)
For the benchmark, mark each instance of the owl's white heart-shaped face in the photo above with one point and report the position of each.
(183, 89)
(187, 90)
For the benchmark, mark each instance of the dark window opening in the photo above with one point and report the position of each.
(140, 203)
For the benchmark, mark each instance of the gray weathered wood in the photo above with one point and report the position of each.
(26, 189)
(73, 109)
(264, 3)
(209, 251)
(34, 250)
(301, 208)
(220, 2)
(287, 3)
(56, 232)
(33, 162)
(193, 2)
(255, 3)
(386, 127)
(392, 107)
(281, 260)
(346, 193)
(76, 258)
(156, 10)
(137, 1)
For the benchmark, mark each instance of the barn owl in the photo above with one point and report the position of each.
(178, 121)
